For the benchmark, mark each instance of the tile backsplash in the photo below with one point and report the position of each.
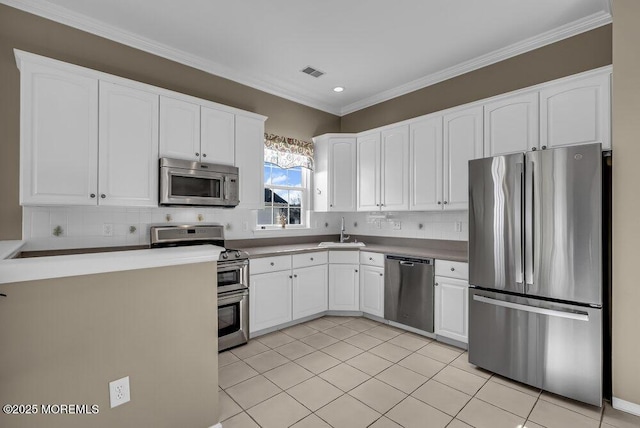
(46, 228)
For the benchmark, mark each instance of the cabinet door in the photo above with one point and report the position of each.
(452, 308)
(128, 152)
(343, 175)
(511, 125)
(59, 137)
(394, 173)
(344, 288)
(425, 154)
(310, 291)
(269, 300)
(368, 172)
(576, 112)
(250, 161)
(462, 142)
(372, 290)
(179, 129)
(217, 136)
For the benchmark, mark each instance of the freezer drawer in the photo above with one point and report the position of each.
(553, 346)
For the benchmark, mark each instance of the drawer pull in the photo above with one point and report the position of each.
(311, 258)
(452, 269)
(371, 258)
(356, 270)
(273, 264)
(295, 276)
(381, 274)
(290, 276)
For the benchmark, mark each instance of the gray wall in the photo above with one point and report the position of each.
(570, 56)
(626, 199)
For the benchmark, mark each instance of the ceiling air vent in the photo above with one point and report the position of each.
(312, 71)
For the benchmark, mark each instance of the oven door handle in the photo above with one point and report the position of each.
(233, 298)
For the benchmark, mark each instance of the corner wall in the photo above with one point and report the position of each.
(626, 202)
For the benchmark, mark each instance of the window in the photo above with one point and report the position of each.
(285, 196)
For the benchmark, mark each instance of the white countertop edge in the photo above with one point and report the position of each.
(37, 268)
(9, 249)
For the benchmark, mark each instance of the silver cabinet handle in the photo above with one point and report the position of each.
(578, 316)
(103, 196)
(93, 195)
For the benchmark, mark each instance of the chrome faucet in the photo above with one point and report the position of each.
(343, 237)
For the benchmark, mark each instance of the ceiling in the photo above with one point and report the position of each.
(376, 49)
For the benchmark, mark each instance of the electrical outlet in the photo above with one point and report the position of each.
(458, 226)
(107, 229)
(396, 225)
(119, 392)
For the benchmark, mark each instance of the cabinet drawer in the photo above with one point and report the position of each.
(269, 264)
(371, 259)
(452, 269)
(310, 259)
(344, 257)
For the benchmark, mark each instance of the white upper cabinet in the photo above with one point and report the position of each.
(511, 124)
(334, 173)
(217, 136)
(128, 142)
(368, 172)
(197, 133)
(425, 154)
(179, 129)
(383, 170)
(58, 136)
(462, 143)
(576, 111)
(394, 175)
(250, 161)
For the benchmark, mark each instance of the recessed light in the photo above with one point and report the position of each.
(338, 89)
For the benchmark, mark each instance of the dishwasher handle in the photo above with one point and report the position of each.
(409, 261)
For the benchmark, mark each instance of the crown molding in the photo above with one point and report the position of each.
(90, 25)
(82, 22)
(574, 28)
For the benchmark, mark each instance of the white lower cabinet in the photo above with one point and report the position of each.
(310, 291)
(372, 290)
(344, 289)
(451, 308)
(270, 300)
(286, 288)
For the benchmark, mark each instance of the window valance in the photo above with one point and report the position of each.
(288, 152)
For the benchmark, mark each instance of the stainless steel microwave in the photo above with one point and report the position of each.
(184, 182)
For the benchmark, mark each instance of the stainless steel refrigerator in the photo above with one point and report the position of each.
(536, 269)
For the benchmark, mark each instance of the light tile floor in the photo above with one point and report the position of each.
(346, 372)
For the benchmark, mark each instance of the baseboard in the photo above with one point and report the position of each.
(411, 329)
(452, 342)
(626, 406)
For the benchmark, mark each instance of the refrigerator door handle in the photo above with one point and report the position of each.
(528, 224)
(518, 228)
(578, 316)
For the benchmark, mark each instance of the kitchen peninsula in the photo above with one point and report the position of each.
(78, 322)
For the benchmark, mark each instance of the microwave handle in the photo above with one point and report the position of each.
(225, 188)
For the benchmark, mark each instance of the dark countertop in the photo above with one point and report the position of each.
(434, 252)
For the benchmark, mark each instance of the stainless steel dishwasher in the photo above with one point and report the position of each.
(408, 291)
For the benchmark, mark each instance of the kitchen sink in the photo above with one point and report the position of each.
(341, 244)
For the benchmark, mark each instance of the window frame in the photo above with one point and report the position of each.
(304, 189)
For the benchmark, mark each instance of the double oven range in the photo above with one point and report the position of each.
(233, 277)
